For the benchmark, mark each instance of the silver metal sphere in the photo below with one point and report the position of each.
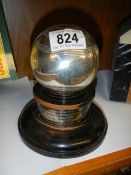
(65, 69)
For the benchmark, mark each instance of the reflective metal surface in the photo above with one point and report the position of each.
(64, 70)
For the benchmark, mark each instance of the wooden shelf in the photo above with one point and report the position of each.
(97, 166)
(26, 19)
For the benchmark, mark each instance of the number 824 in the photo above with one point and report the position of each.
(66, 38)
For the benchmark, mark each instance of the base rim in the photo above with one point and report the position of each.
(43, 147)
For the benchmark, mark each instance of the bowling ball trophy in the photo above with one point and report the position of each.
(63, 120)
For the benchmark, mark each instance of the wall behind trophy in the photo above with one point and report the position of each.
(27, 18)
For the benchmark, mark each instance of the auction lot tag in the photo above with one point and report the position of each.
(67, 39)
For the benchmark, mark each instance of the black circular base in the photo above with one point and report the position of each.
(62, 143)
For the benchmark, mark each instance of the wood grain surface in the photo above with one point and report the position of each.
(97, 166)
(27, 18)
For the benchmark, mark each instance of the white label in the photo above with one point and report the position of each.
(67, 39)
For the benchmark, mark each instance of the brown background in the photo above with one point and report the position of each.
(26, 18)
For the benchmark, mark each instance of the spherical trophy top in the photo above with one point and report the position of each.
(64, 58)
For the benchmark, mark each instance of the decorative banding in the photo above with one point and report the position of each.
(57, 127)
(56, 106)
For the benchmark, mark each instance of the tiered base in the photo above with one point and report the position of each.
(62, 143)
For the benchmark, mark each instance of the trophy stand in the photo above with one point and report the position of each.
(62, 121)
